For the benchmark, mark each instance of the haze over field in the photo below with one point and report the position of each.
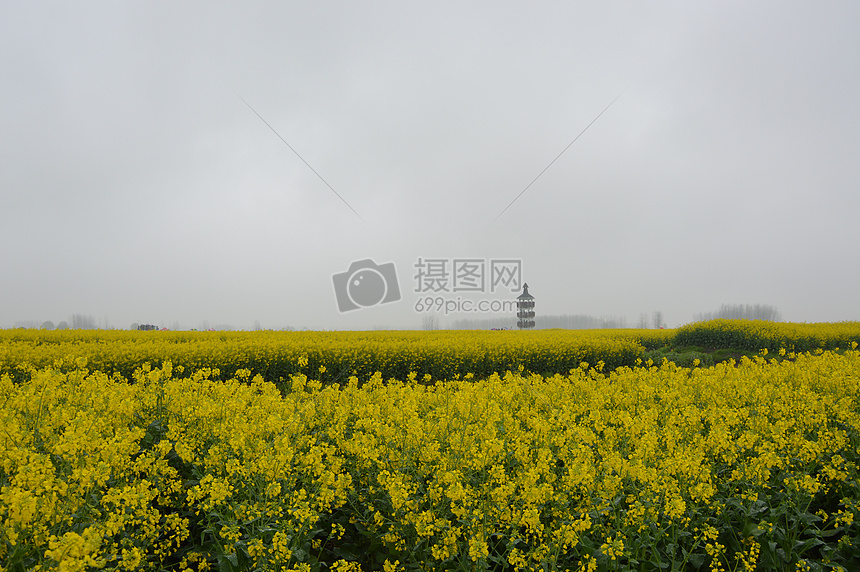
(137, 186)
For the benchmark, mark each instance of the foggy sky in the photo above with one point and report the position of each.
(136, 186)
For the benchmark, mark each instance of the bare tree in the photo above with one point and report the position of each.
(82, 322)
(643, 321)
(742, 312)
(657, 320)
(430, 322)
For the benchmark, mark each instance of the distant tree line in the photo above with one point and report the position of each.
(78, 322)
(741, 312)
(565, 321)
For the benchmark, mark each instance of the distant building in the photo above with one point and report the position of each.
(525, 309)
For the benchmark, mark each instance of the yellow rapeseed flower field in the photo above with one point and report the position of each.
(277, 355)
(740, 466)
(755, 335)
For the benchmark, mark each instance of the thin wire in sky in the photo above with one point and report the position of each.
(557, 157)
(300, 157)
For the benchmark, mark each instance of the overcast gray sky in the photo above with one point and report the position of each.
(136, 186)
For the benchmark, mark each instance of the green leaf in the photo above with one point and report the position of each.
(228, 563)
(802, 546)
(808, 518)
(697, 560)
